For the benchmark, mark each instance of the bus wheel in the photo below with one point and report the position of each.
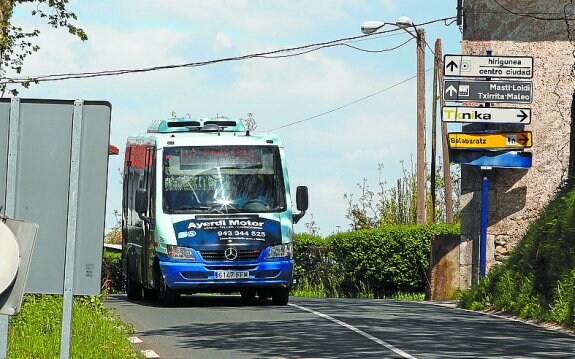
(133, 288)
(168, 295)
(150, 294)
(280, 296)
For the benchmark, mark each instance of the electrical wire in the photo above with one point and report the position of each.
(294, 51)
(302, 49)
(348, 104)
(527, 14)
(379, 51)
(340, 44)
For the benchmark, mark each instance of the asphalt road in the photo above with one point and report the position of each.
(214, 326)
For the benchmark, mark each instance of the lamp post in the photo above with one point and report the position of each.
(369, 27)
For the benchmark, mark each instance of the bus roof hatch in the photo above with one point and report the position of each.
(220, 124)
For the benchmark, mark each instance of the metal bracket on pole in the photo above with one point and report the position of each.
(67, 312)
(13, 140)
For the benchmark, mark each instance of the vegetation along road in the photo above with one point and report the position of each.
(210, 326)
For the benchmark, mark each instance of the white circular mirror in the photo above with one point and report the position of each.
(9, 257)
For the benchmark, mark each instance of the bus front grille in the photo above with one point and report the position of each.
(220, 255)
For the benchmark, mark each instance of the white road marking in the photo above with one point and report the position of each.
(135, 340)
(358, 331)
(150, 354)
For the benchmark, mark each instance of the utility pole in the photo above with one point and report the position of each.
(446, 165)
(369, 27)
(434, 135)
(421, 174)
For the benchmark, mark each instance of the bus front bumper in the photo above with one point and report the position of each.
(227, 277)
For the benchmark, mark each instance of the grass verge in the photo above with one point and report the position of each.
(307, 290)
(537, 281)
(96, 332)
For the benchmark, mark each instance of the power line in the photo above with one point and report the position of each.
(268, 54)
(338, 44)
(349, 103)
(533, 15)
(294, 51)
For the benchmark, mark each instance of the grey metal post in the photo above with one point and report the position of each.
(67, 311)
(13, 139)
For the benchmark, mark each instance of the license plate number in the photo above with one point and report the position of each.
(226, 274)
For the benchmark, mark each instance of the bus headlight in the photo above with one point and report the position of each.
(178, 252)
(281, 251)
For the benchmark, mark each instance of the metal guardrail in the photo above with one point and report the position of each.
(113, 247)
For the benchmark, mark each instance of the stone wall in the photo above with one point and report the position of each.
(544, 30)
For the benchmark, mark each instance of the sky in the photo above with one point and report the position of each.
(329, 153)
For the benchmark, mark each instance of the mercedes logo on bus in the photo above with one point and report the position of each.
(231, 253)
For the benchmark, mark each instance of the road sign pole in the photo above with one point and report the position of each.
(4, 336)
(489, 53)
(483, 235)
(13, 141)
(484, 209)
(67, 311)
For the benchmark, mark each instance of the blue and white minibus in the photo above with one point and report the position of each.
(207, 208)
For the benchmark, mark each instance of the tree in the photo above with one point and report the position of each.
(397, 205)
(16, 44)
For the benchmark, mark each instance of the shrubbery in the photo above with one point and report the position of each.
(538, 279)
(112, 276)
(374, 263)
(371, 262)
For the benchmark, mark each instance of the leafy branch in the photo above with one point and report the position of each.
(16, 43)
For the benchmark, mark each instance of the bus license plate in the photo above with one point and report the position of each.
(226, 274)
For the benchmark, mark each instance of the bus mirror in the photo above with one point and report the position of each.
(141, 200)
(301, 201)
(301, 196)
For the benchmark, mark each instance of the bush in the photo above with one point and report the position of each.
(370, 263)
(112, 275)
(315, 268)
(374, 263)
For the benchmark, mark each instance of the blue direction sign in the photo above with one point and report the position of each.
(488, 91)
(498, 159)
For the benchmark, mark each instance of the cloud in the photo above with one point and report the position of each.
(250, 18)
(223, 40)
(327, 206)
(388, 5)
(330, 153)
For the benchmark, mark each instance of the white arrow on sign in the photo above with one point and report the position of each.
(486, 115)
(451, 90)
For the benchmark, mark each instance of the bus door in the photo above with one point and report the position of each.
(148, 242)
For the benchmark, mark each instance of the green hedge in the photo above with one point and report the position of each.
(380, 261)
(112, 276)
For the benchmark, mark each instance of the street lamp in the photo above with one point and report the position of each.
(369, 27)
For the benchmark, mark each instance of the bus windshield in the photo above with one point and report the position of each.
(223, 179)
